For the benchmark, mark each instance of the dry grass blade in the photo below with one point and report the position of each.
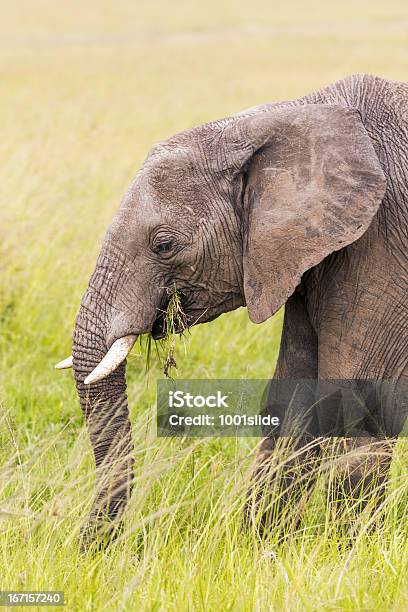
(174, 324)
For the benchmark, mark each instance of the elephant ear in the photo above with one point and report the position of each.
(313, 186)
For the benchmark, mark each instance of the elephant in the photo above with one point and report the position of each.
(302, 203)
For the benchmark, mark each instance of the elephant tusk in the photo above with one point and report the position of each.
(64, 364)
(113, 358)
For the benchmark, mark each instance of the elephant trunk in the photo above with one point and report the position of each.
(105, 408)
(115, 309)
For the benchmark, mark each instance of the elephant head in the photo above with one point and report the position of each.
(231, 213)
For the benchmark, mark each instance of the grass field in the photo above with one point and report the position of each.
(86, 89)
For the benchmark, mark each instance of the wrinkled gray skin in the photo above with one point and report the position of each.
(302, 202)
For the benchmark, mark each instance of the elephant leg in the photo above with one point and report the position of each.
(359, 474)
(285, 469)
(361, 320)
(282, 480)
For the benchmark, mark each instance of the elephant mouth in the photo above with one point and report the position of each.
(195, 317)
(158, 331)
(191, 314)
(179, 324)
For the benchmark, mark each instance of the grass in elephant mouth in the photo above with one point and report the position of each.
(174, 323)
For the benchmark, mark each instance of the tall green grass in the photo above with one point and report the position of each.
(87, 88)
(183, 546)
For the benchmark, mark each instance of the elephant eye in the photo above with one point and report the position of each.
(163, 246)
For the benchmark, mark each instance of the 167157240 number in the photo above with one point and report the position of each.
(32, 598)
